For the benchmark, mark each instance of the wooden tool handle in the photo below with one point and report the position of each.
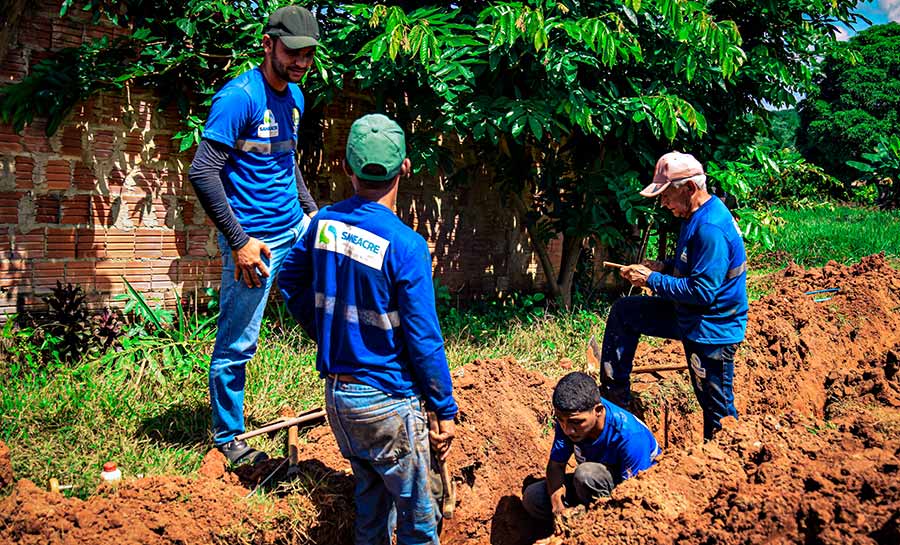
(613, 265)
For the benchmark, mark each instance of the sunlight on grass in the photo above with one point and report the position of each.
(814, 236)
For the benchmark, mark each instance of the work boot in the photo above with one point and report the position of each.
(239, 452)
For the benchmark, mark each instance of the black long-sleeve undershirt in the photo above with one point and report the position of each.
(206, 177)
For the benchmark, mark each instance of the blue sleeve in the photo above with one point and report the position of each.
(295, 281)
(710, 251)
(422, 332)
(637, 452)
(562, 447)
(231, 112)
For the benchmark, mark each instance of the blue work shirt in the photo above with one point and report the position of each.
(359, 281)
(260, 124)
(625, 444)
(709, 286)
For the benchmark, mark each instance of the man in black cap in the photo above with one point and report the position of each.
(246, 178)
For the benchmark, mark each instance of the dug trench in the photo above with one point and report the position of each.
(814, 457)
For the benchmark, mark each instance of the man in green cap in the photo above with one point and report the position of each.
(246, 178)
(359, 281)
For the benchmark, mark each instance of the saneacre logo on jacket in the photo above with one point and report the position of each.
(357, 244)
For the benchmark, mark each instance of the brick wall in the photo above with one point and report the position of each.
(107, 196)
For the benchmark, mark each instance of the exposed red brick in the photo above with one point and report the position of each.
(61, 243)
(81, 273)
(174, 244)
(15, 278)
(134, 143)
(9, 141)
(9, 207)
(197, 240)
(58, 175)
(48, 208)
(76, 210)
(46, 273)
(102, 210)
(148, 243)
(90, 243)
(107, 274)
(24, 172)
(103, 144)
(115, 179)
(84, 177)
(71, 140)
(119, 244)
(66, 33)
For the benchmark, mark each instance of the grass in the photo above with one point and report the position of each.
(814, 236)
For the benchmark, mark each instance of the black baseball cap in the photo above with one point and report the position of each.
(295, 26)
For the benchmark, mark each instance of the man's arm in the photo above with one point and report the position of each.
(560, 453)
(424, 342)
(556, 485)
(710, 250)
(306, 201)
(206, 177)
(295, 282)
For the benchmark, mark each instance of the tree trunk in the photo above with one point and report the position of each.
(568, 263)
(560, 285)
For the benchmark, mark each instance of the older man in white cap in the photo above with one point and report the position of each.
(701, 294)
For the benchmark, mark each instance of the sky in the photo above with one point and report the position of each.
(877, 11)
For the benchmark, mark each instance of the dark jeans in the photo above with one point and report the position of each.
(711, 365)
(589, 482)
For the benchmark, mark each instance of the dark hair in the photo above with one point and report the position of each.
(576, 392)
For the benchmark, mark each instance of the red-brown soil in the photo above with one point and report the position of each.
(814, 458)
(6, 472)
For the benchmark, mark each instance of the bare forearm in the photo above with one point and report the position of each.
(556, 485)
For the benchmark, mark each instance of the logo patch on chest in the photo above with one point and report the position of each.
(357, 244)
(269, 128)
(683, 257)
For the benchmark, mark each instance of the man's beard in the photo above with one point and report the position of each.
(282, 71)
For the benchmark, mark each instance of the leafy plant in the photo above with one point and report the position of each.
(882, 167)
(64, 333)
(159, 343)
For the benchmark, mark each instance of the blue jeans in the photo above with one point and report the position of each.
(711, 365)
(386, 441)
(240, 315)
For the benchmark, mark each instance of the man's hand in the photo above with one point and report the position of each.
(443, 438)
(653, 265)
(248, 260)
(636, 274)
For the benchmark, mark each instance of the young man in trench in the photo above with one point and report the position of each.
(359, 281)
(609, 443)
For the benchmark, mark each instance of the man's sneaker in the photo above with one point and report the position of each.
(239, 452)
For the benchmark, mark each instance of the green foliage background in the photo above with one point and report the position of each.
(855, 103)
(570, 102)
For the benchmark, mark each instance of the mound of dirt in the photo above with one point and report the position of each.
(6, 472)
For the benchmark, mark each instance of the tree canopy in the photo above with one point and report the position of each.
(856, 101)
(569, 101)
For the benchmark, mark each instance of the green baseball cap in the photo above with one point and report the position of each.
(377, 142)
(295, 26)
